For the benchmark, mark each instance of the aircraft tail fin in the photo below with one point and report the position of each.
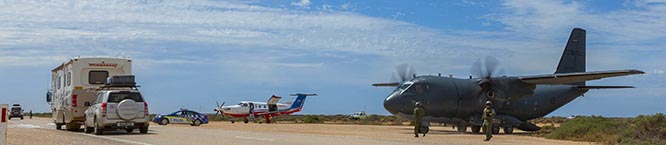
(300, 100)
(573, 57)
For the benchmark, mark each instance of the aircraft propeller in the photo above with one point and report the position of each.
(403, 73)
(218, 110)
(487, 70)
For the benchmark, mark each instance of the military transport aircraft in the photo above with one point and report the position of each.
(516, 99)
(271, 108)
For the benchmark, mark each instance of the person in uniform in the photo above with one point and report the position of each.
(488, 114)
(419, 112)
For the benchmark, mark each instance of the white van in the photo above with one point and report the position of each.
(74, 84)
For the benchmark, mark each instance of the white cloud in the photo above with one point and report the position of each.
(302, 3)
(154, 30)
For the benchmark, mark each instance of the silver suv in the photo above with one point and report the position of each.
(117, 109)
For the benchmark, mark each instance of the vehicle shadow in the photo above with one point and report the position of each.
(120, 132)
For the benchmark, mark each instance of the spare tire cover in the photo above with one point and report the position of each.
(127, 109)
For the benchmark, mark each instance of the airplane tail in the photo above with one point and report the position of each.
(300, 100)
(573, 57)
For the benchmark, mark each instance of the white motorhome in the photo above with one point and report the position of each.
(74, 83)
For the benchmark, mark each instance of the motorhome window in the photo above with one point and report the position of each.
(97, 77)
(120, 96)
(69, 78)
(58, 83)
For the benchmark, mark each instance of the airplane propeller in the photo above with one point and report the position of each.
(403, 73)
(487, 71)
(218, 110)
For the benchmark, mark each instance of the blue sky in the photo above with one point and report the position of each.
(192, 53)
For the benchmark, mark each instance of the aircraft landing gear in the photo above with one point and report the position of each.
(245, 120)
(476, 129)
(233, 121)
(462, 127)
(508, 129)
(424, 129)
(496, 129)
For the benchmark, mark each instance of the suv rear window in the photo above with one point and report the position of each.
(115, 97)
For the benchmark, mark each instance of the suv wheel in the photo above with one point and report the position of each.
(98, 130)
(164, 121)
(129, 130)
(58, 126)
(196, 122)
(21, 117)
(143, 130)
(87, 129)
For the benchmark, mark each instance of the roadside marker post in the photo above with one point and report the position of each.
(3, 124)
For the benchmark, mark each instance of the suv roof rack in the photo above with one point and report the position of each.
(115, 86)
(120, 81)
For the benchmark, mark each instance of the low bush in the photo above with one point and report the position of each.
(644, 129)
(595, 129)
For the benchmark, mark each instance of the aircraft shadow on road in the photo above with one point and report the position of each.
(453, 132)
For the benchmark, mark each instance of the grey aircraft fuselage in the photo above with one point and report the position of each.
(452, 100)
(516, 99)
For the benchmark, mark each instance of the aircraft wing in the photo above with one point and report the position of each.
(564, 78)
(273, 100)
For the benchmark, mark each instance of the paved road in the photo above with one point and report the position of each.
(276, 134)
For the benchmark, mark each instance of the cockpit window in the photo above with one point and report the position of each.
(413, 88)
(243, 105)
(403, 87)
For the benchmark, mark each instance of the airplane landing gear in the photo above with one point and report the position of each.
(496, 129)
(476, 129)
(245, 120)
(508, 129)
(424, 129)
(462, 127)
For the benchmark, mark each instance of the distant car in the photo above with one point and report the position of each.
(357, 116)
(16, 112)
(183, 116)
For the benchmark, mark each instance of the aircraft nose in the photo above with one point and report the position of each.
(392, 103)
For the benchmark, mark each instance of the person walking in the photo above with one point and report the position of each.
(30, 114)
(419, 112)
(488, 114)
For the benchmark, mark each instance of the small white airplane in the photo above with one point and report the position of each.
(268, 109)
